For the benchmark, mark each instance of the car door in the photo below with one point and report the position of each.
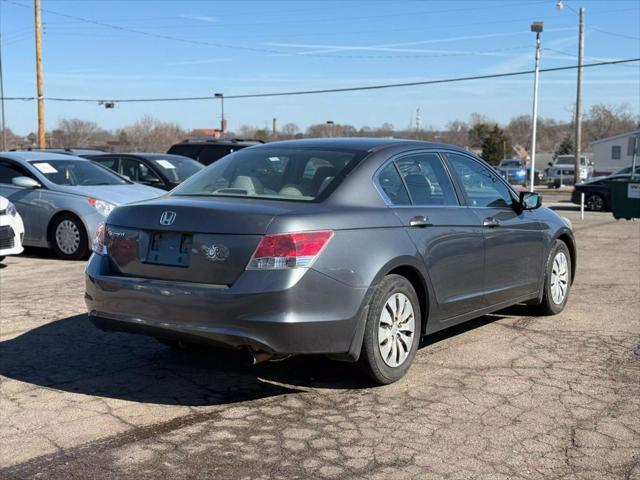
(26, 200)
(448, 236)
(513, 239)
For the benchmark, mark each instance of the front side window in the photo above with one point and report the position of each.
(9, 171)
(482, 187)
(76, 172)
(273, 173)
(616, 152)
(427, 180)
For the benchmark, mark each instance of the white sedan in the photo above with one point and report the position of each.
(11, 229)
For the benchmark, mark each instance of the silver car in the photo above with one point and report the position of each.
(62, 198)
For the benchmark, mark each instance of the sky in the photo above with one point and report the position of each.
(110, 49)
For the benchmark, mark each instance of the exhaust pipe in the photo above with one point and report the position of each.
(259, 356)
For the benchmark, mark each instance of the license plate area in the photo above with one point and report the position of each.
(169, 248)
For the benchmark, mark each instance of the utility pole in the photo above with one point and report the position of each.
(41, 132)
(274, 128)
(3, 125)
(578, 122)
(536, 27)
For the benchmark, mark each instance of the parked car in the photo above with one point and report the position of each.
(514, 171)
(63, 198)
(157, 170)
(562, 171)
(206, 151)
(11, 229)
(597, 196)
(354, 248)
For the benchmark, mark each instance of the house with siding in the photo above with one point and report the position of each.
(613, 153)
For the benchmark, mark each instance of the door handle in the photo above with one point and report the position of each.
(420, 222)
(490, 222)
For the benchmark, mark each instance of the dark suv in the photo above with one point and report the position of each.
(207, 151)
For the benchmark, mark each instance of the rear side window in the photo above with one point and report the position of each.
(427, 179)
(392, 186)
(107, 162)
(213, 153)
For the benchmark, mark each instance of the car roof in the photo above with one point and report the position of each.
(218, 142)
(360, 144)
(38, 156)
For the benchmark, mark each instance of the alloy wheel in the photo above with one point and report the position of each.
(68, 237)
(595, 203)
(559, 278)
(396, 330)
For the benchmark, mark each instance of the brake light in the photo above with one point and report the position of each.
(99, 243)
(288, 250)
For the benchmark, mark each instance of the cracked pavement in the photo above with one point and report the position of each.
(505, 396)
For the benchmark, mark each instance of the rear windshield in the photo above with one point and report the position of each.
(175, 167)
(275, 173)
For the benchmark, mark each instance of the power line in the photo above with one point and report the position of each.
(329, 90)
(615, 34)
(249, 48)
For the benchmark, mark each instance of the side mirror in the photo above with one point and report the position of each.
(550, 164)
(530, 200)
(150, 179)
(25, 182)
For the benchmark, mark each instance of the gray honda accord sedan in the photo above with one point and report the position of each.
(355, 248)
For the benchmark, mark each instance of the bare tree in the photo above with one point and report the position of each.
(73, 132)
(289, 130)
(151, 135)
(603, 121)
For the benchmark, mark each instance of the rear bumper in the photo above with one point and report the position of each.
(281, 312)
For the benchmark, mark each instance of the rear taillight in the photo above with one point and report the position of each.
(288, 250)
(99, 243)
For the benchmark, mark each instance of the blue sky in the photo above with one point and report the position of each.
(239, 47)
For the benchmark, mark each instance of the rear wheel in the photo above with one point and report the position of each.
(392, 331)
(557, 282)
(594, 202)
(69, 237)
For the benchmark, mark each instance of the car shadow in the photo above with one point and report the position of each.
(38, 252)
(72, 355)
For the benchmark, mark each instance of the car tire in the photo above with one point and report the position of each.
(69, 238)
(393, 308)
(594, 202)
(557, 280)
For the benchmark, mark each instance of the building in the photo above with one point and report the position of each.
(613, 153)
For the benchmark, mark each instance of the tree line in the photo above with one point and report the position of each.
(479, 133)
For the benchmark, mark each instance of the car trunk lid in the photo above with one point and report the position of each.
(187, 239)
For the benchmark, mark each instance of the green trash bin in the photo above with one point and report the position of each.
(625, 199)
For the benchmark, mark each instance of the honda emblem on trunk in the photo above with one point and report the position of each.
(167, 217)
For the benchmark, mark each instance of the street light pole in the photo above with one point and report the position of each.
(578, 122)
(223, 121)
(536, 27)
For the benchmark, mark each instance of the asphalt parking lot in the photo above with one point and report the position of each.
(506, 396)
